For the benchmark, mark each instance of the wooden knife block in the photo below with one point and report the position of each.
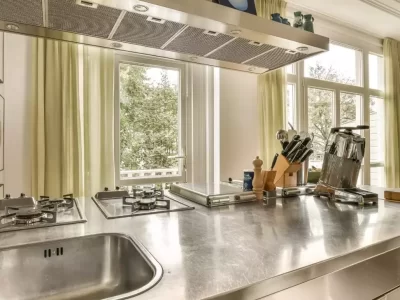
(286, 173)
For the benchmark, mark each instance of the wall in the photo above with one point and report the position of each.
(17, 71)
(339, 31)
(239, 124)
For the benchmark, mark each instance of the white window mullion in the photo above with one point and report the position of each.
(336, 109)
(366, 111)
(302, 99)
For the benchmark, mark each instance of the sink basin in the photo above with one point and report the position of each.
(102, 266)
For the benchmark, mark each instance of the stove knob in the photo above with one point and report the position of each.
(106, 189)
(8, 196)
(22, 195)
(117, 188)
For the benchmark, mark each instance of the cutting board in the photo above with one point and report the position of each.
(392, 196)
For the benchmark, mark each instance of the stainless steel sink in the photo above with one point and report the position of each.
(103, 266)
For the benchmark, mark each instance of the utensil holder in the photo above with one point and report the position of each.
(286, 172)
(269, 178)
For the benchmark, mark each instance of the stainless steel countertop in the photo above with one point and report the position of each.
(205, 252)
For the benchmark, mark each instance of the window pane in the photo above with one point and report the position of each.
(377, 176)
(377, 129)
(319, 121)
(377, 136)
(149, 133)
(339, 64)
(290, 104)
(291, 69)
(376, 76)
(350, 109)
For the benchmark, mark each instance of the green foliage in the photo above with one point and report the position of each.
(148, 120)
(320, 106)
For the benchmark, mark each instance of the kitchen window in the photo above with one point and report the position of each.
(340, 64)
(290, 103)
(149, 120)
(320, 104)
(342, 87)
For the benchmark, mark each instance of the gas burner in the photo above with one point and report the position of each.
(66, 202)
(27, 216)
(146, 203)
(148, 193)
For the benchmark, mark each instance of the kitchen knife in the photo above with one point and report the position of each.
(289, 148)
(299, 153)
(274, 161)
(285, 144)
(306, 155)
(304, 147)
(295, 148)
(306, 141)
(296, 137)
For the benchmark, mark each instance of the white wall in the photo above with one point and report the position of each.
(17, 74)
(239, 123)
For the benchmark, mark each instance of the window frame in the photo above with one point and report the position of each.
(147, 61)
(303, 83)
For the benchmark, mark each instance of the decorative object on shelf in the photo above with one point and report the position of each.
(298, 20)
(308, 23)
(258, 183)
(285, 21)
(243, 5)
(276, 17)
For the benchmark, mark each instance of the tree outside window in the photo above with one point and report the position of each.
(148, 117)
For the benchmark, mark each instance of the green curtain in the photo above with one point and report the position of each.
(271, 94)
(391, 52)
(98, 120)
(267, 7)
(72, 103)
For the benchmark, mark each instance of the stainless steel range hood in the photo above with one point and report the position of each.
(198, 31)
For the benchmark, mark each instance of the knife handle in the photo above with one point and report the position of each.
(294, 149)
(306, 141)
(296, 137)
(274, 161)
(289, 147)
(299, 154)
(306, 155)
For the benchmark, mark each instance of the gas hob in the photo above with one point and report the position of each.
(142, 201)
(27, 213)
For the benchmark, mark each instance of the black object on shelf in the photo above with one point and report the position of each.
(243, 5)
